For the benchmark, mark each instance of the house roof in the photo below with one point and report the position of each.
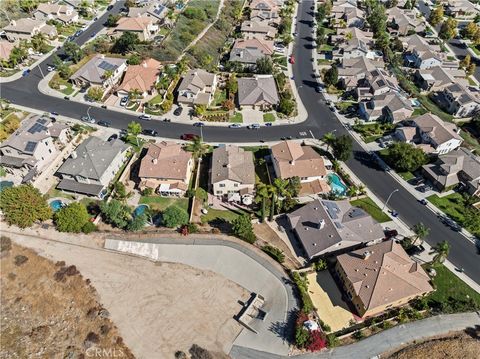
(232, 163)
(358, 65)
(257, 90)
(379, 79)
(324, 225)
(250, 50)
(404, 17)
(156, 10)
(314, 187)
(296, 160)
(6, 48)
(32, 130)
(442, 77)
(138, 23)
(436, 129)
(55, 9)
(24, 25)
(461, 94)
(264, 5)
(92, 158)
(199, 83)
(165, 160)
(384, 273)
(142, 77)
(258, 27)
(79, 187)
(94, 70)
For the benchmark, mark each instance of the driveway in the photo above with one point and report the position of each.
(238, 264)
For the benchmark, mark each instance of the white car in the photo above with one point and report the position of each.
(50, 68)
(145, 117)
(235, 125)
(254, 126)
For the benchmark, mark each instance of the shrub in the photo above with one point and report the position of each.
(71, 218)
(316, 341)
(147, 191)
(302, 285)
(89, 227)
(197, 352)
(20, 259)
(332, 340)
(274, 252)
(320, 265)
(358, 334)
(174, 216)
(301, 337)
(242, 228)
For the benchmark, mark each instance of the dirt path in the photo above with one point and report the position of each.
(158, 307)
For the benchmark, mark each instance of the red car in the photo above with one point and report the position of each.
(292, 59)
(188, 137)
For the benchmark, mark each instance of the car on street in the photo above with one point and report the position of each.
(253, 126)
(93, 34)
(66, 98)
(167, 120)
(199, 124)
(50, 68)
(319, 89)
(150, 132)
(178, 111)
(286, 138)
(109, 7)
(104, 123)
(123, 132)
(292, 59)
(394, 214)
(145, 117)
(26, 72)
(235, 125)
(87, 119)
(53, 113)
(78, 33)
(112, 137)
(188, 137)
(124, 101)
(423, 201)
(268, 124)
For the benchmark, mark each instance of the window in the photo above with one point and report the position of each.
(49, 150)
(219, 192)
(235, 185)
(221, 185)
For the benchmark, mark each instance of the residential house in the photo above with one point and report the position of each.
(441, 136)
(265, 11)
(6, 48)
(142, 77)
(92, 166)
(355, 69)
(76, 4)
(423, 55)
(24, 29)
(197, 88)
(331, 227)
(437, 78)
(31, 147)
(259, 92)
(458, 166)
(166, 168)
(233, 174)
(345, 34)
(247, 52)
(144, 26)
(354, 48)
(390, 107)
(252, 30)
(381, 277)
(290, 159)
(156, 11)
(376, 82)
(61, 13)
(458, 100)
(100, 71)
(404, 21)
(461, 9)
(349, 17)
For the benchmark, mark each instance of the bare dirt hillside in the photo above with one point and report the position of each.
(50, 311)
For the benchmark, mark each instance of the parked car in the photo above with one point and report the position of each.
(254, 126)
(292, 59)
(88, 119)
(178, 111)
(268, 124)
(145, 117)
(78, 33)
(112, 137)
(390, 233)
(150, 132)
(50, 68)
(235, 125)
(93, 34)
(167, 120)
(109, 7)
(319, 89)
(104, 123)
(423, 201)
(123, 132)
(188, 137)
(26, 72)
(394, 214)
(53, 113)
(199, 124)
(124, 101)
(415, 250)
(66, 98)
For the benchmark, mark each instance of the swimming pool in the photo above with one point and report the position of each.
(56, 205)
(140, 210)
(5, 184)
(336, 184)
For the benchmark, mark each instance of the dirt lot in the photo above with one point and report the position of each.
(457, 345)
(49, 315)
(159, 308)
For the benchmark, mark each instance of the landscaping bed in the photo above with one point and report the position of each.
(371, 208)
(373, 131)
(159, 203)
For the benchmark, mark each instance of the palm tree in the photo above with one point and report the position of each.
(421, 231)
(352, 191)
(361, 189)
(39, 41)
(261, 196)
(272, 191)
(281, 186)
(107, 74)
(441, 249)
(134, 93)
(197, 147)
(328, 138)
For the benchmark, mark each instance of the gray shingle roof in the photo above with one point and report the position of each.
(232, 163)
(257, 90)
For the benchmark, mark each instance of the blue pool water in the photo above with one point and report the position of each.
(5, 184)
(56, 205)
(336, 184)
(140, 210)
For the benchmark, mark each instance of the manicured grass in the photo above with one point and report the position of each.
(471, 82)
(156, 99)
(326, 48)
(226, 215)
(449, 285)
(324, 62)
(219, 97)
(419, 111)
(470, 141)
(371, 208)
(372, 131)
(475, 50)
(433, 108)
(160, 203)
(237, 118)
(268, 117)
(407, 176)
(53, 192)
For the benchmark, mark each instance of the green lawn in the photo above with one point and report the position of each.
(407, 176)
(371, 208)
(156, 99)
(268, 117)
(160, 203)
(372, 131)
(419, 111)
(448, 285)
(324, 62)
(237, 118)
(470, 141)
(326, 48)
(433, 108)
(475, 50)
(226, 215)
(219, 97)
(53, 192)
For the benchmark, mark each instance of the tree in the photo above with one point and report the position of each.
(71, 218)
(294, 186)
(421, 231)
(73, 51)
(441, 251)
(134, 59)
(39, 42)
(115, 213)
(329, 139)
(120, 191)
(466, 61)
(470, 69)
(112, 20)
(272, 191)
(448, 30)
(174, 216)
(125, 43)
(24, 205)
(242, 228)
(232, 85)
(137, 222)
(331, 76)
(436, 16)
(281, 187)
(228, 105)
(199, 110)
(95, 93)
(133, 130)
(264, 65)
(470, 30)
(404, 157)
(286, 105)
(17, 55)
(261, 196)
(28, 5)
(134, 94)
(342, 147)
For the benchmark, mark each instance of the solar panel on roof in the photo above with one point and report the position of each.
(42, 121)
(381, 83)
(30, 146)
(104, 65)
(37, 127)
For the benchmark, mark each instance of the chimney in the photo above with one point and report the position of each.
(292, 162)
(366, 255)
(102, 56)
(13, 23)
(321, 224)
(144, 64)
(73, 154)
(154, 161)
